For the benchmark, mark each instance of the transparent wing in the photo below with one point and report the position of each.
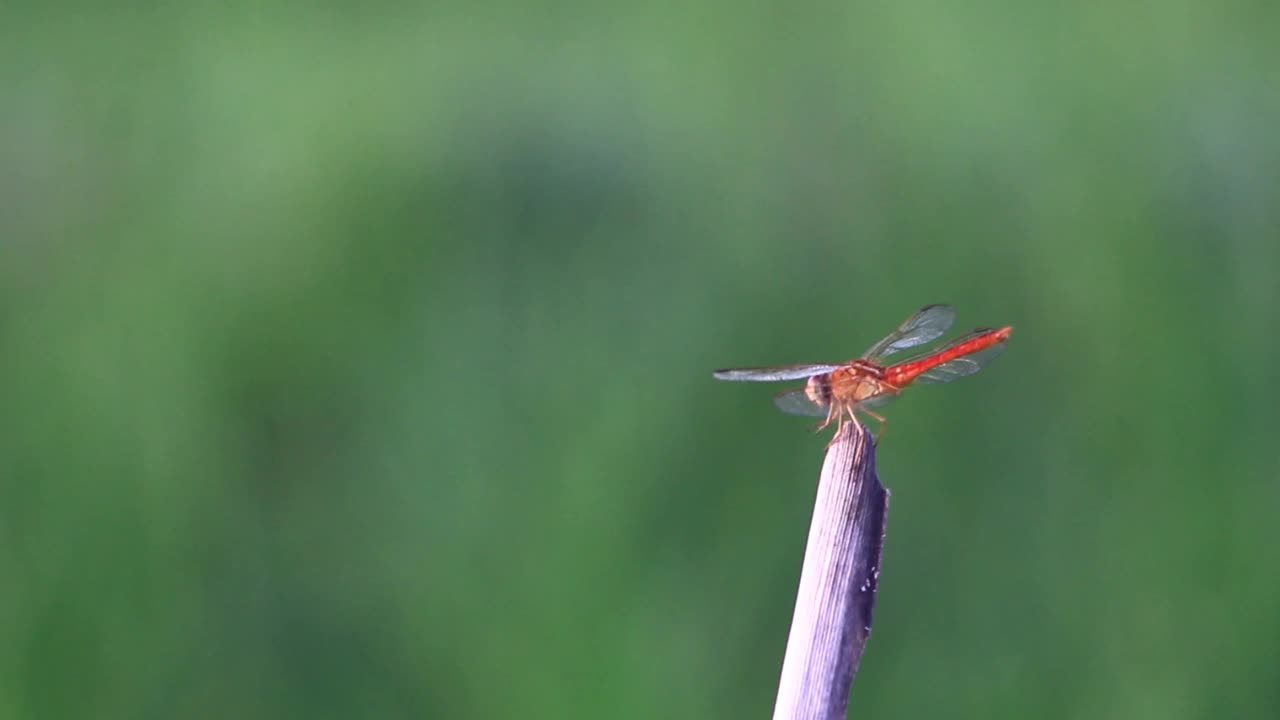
(925, 326)
(795, 402)
(879, 400)
(773, 374)
(961, 366)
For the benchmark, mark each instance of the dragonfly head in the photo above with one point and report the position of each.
(818, 389)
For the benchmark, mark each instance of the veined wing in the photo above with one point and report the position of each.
(773, 374)
(964, 365)
(960, 367)
(796, 402)
(879, 400)
(925, 326)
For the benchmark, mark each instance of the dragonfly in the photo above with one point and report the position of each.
(838, 391)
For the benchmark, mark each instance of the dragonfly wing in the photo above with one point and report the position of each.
(925, 326)
(796, 402)
(879, 400)
(773, 374)
(961, 366)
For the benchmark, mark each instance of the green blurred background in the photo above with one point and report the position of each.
(356, 358)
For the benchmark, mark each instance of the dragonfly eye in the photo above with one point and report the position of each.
(819, 389)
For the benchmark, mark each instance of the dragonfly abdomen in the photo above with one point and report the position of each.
(904, 374)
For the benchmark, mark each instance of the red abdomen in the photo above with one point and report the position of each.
(902, 375)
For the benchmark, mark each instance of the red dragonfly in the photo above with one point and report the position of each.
(836, 391)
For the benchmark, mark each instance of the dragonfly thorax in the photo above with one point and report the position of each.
(855, 383)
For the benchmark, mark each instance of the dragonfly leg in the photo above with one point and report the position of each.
(852, 418)
(823, 425)
(842, 414)
(884, 424)
(887, 389)
(836, 412)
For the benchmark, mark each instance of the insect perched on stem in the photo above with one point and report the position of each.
(836, 392)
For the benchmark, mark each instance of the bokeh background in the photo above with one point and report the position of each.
(356, 357)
